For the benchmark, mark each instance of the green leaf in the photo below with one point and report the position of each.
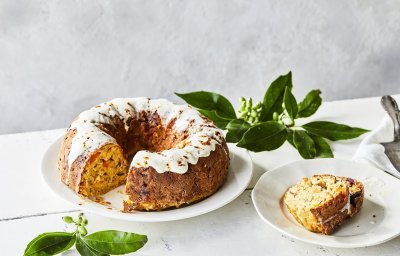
(209, 101)
(85, 250)
(273, 98)
(323, 150)
(115, 242)
(264, 136)
(310, 104)
(304, 144)
(333, 131)
(290, 103)
(236, 129)
(219, 121)
(50, 244)
(289, 137)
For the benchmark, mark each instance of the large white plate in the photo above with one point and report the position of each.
(381, 200)
(240, 173)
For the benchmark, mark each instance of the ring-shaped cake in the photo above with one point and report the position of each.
(167, 155)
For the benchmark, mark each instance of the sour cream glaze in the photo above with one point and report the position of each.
(202, 140)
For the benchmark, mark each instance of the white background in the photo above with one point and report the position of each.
(58, 58)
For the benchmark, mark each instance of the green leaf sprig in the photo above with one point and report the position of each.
(266, 125)
(102, 243)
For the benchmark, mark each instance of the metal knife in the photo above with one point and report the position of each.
(392, 149)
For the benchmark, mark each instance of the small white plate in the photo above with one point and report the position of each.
(377, 222)
(239, 176)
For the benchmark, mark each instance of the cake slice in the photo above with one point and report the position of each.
(321, 203)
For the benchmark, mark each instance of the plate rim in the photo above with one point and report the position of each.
(142, 218)
(335, 244)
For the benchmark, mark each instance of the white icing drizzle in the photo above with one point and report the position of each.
(202, 139)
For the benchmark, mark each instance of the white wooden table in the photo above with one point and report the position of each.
(28, 207)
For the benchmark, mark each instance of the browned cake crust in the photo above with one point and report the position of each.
(146, 188)
(356, 194)
(321, 211)
(150, 190)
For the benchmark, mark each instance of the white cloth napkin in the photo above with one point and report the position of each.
(370, 151)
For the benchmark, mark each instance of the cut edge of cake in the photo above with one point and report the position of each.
(322, 203)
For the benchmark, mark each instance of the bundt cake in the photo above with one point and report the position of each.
(167, 155)
(321, 203)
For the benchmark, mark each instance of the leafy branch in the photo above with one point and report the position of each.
(102, 243)
(267, 124)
